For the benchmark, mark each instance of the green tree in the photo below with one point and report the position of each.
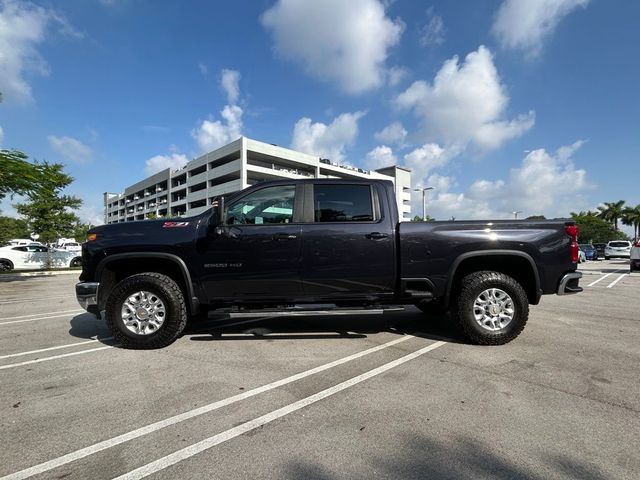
(418, 218)
(80, 231)
(594, 229)
(611, 212)
(631, 216)
(536, 217)
(47, 211)
(17, 175)
(12, 228)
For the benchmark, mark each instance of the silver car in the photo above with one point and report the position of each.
(617, 249)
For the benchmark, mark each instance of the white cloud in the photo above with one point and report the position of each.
(465, 104)
(327, 141)
(229, 81)
(525, 24)
(380, 157)
(70, 149)
(90, 214)
(158, 163)
(426, 158)
(203, 69)
(345, 42)
(393, 133)
(212, 134)
(543, 184)
(1, 135)
(432, 32)
(395, 75)
(23, 27)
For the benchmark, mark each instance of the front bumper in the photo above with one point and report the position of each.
(569, 283)
(87, 295)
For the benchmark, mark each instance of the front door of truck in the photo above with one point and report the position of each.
(349, 247)
(256, 253)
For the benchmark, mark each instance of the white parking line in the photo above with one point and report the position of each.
(55, 357)
(35, 299)
(39, 314)
(234, 432)
(21, 354)
(617, 280)
(125, 437)
(602, 278)
(42, 318)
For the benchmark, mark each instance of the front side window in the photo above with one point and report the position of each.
(266, 206)
(342, 203)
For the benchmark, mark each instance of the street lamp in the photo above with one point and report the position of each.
(516, 213)
(424, 201)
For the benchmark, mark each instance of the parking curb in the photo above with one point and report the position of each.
(44, 273)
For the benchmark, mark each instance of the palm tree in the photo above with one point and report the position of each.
(611, 212)
(631, 216)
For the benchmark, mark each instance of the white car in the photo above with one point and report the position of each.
(617, 249)
(28, 257)
(70, 247)
(635, 257)
(582, 257)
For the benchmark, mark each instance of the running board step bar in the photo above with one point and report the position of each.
(308, 313)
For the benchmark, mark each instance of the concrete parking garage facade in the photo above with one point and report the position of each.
(244, 162)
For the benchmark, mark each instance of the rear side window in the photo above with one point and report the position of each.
(20, 249)
(342, 203)
(619, 244)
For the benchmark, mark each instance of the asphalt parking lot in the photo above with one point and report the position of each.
(392, 396)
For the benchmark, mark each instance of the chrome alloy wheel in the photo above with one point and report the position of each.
(143, 313)
(493, 309)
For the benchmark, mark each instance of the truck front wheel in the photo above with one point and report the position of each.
(146, 310)
(491, 308)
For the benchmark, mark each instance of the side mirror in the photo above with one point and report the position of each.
(217, 220)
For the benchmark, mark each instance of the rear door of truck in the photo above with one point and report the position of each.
(348, 246)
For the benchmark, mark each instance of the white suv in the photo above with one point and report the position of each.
(617, 248)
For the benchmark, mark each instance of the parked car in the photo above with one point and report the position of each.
(600, 249)
(635, 257)
(581, 257)
(27, 257)
(589, 250)
(617, 249)
(284, 247)
(69, 246)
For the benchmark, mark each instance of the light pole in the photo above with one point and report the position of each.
(424, 201)
(516, 213)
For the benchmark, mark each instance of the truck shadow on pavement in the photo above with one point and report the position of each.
(456, 456)
(434, 327)
(272, 328)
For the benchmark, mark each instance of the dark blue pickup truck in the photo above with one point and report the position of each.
(293, 244)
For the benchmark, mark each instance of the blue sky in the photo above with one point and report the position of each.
(507, 105)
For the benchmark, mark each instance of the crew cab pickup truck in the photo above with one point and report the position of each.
(294, 243)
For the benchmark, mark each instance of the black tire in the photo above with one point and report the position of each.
(471, 287)
(76, 262)
(606, 258)
(5, 265)
(167, 291)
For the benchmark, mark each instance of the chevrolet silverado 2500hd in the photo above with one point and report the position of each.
(289, 243)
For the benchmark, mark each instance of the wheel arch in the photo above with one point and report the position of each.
(114, 268)
(516, 264)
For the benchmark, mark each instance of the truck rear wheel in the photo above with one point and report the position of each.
(146, 310)
(491, 308)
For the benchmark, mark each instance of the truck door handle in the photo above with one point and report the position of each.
(376, 235)
(285, 236)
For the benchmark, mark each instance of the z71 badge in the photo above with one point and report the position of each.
(174, 224)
